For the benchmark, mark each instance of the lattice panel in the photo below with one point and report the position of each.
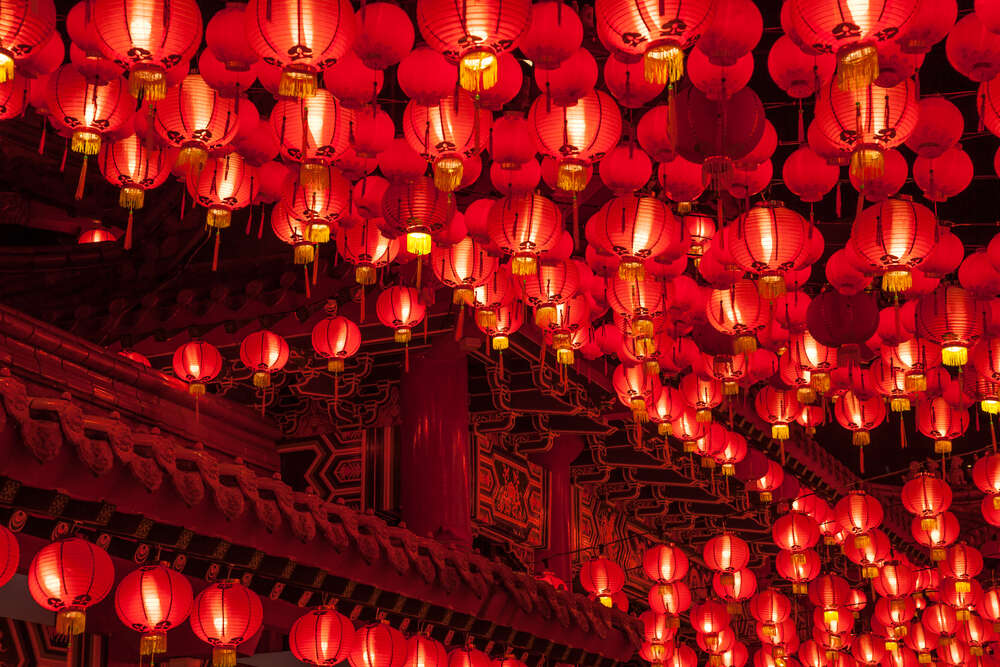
(332, 464)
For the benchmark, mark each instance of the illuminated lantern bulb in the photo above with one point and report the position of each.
(197, 363)
(602, 578)
(525, 226)
(152, 600)
(941, 422)
(417, 209)
(446, 133)
(66, 577)
(778, 407)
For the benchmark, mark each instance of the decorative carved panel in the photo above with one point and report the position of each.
(510, 503)
(331, 463)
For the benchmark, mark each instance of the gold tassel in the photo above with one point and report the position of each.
(524, 265)
(942, 446)
(478, 71)
(223, 656)
(572, 175)
(131, 197)
(867, 164)
(86, 142)
(744, 344)
(314, 176)
(70, 622)
(448, 173)
(897, 280)
(861, 438)
(218, 218)
(82, 181)
(954, 355)
(318, 232)
(364, 274)
(779, 431)
(631, 270)
(418, 243)
(192, 159)
(147, 83)
(128, 231)
(297, 83)
(303, 254)
(153, 643)
(857, 68)
(663, 64)
(771, 287)
(6, 67)
(261, 380)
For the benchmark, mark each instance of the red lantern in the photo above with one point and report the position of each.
(709, 618)
(148, 38)
(681, 181)
(468, 657)
(892, 237)
(367, 248)
(25, 27)
(703, 137)
(336, 338)
(418, 209)
(226, 184)
(474, 35)
(422, 651)
(313, 132)
(718, 82)
(400, 308)
(525, 226)
(636, 229)
(554, 33)
(553, 283)
(576, 135)
(859, 513)
(739, 311)
(671, 599)
(134, 166)
(379, 645)
(809, 176)
(939, 128)
(950, 317)
(197, 363)
(741, 586)
(426, 76)
(767, 484)
(986, 475)
(384, 34)
(796, 72)
(68, 576)
(733, 31)
(225, 38)
(665, 563)
(603, 578)
(848, 30)
(264, 352)
(462, 266)
(867, 121)
(659, 32)
(972, 50)
(936, 537)
(944, 176)
(926, 496)
(626, 169)
(770, 608)
(226, 614)
(11, 551)
(626, 82)
(795, 532)
(768, 241)
(778, 407)
(726, 553)
(87, 110)
(941, 422)
(829, 591)
(274, 30)
(799, 568)
(152, 600)
(574, 78)
(446, 133)
(321, 637)
(878, 186)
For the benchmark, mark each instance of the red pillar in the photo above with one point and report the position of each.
(556, 557)
(435, 455)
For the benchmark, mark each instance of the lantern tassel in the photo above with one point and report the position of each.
(460, 322)
(861, 460)
(82, 182)
(406, 358)
(857, 68)
(993, 434)
(223, 656)
(802, 126)
(41, 142)
(62, 164)
(153, 643)
(305, 269)
(183, 203)
(576, 221)
(420, 265)
(839, 201)
(215, 252)
(128, 231)
(315, 272)
(902, 432)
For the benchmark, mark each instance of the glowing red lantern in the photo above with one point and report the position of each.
(151, 600)
(938, 420)
(87, 110)
(859, 513)
(659, 32)
(524, 227)
(739, 311)
(313, 132)
(336, 339)
(226, 614)
(892, 237)
(226, 184)
(943, 533)
(576, 135)
(68, 576)
(422, 651)
(134, 166)
(445, 133)
(462, 266)
(665, 563)
(365, 246)
(681, 181)
(468, 657)
(798, 568)
(148, 38)
(379, 645)
(709, 618)
(950, 317)
(11, 552)
(795, 532)
(778, 407)
(972, 50)
(926, 496)
(603, 578)
(627, 83)
(986, 475)
(418, 209)
(321, 637)
(768, 240)
(400, 308)
(384, 34)
(726, 553)
(264, 352)
(796, 72)
(769, 482)
(25, 28)
(197, 363)
(474, 35)
(626, 169)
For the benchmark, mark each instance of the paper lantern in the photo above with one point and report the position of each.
(926, 496)
(87, 110)
(400, 309)
(726, 553)
(336, 339)
(941, 422)
(321, 637)
(636, 229)
(422, 651)
(378, 645)
(135, 166)
(950, 317)
(313, 132)
(893, 237)
(809, 176)
(665, 563)
(264, 352)
(474, 35)
(445, 134)
(739, 311)
(554, 33)
(197, 363)
(384, 34)
(939, 128)
(796, 72)
(972, 49)
(25, 26)
(945, 176)
(524, 227)
(152, 600)
(67, 577)
(603, 578)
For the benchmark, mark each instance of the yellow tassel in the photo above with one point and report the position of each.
(261, 380)
(478, 71)
(565, 356)
(462, 296)
(223, 656)
(820, 381)
(70, 622)
(857, 67)
(703, 416)
(314, 176)
(131, 197)
(684, 207)
(831, 616)
(631, 270)
(297, 83)
(805, 395)
(867, 163)
(192, 159)
(148, 82)
(766, 497)
(153, 643)
(6, 67)
(82, 181)
(862, 541)
(219, 218)
(653, 368)
(544, 314)
(954, 355)
(196, 389)
(779, 431)
(938, 554)
(303, 253)
(664, 428)
(500, 343)
(728, 470)
(800, 588)
(418, 243)
(486, 318)
(915, 382)
(364, 274)
(335, 365)
(448, 173)
(897, 280)
(771, 287)
(318, 232)
(639, 409)
(963, 586)
(744, 344)
(86, 142)
(942, 446)
(403, 335)
(663, 64)
(572, 175)
(990, 406)
(899, 404)
(524, 265)
(996, 502)
(861, 438)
